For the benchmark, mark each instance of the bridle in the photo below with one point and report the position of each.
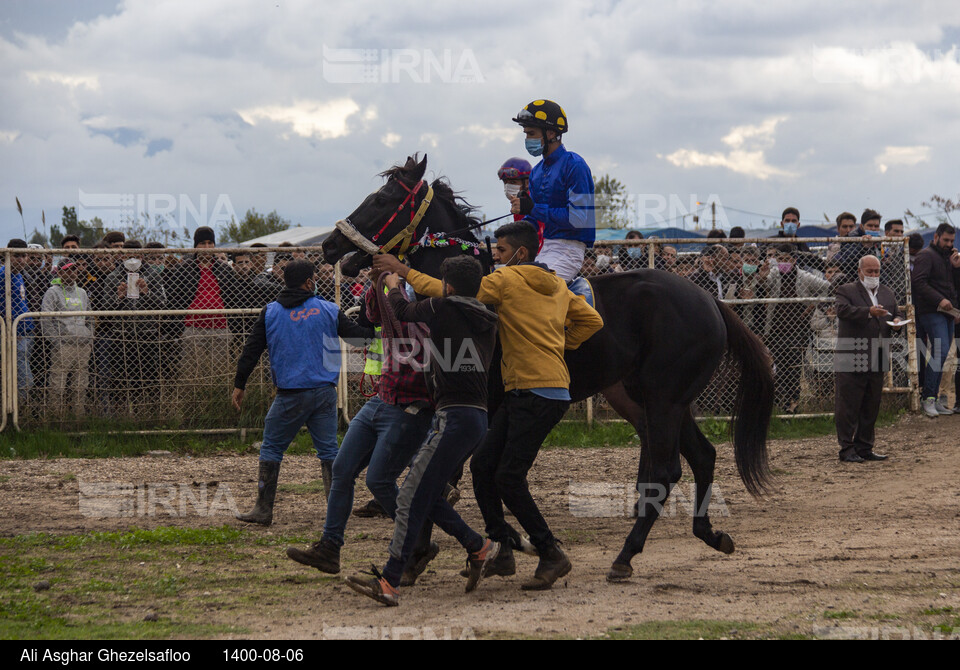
(401, 239)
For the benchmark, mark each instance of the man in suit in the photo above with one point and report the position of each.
(864, 308)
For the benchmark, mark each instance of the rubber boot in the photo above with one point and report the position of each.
(554, 564)
(323, 555)
(326, 472)
(262, 512)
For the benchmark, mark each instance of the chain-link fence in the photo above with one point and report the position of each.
(784, 291)
(148, 339)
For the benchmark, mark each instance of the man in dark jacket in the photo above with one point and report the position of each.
(203, 282)
(132, 344)
(300, 332)
(935, 295)
(463, 335)
(864, 309)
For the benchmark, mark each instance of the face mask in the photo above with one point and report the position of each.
(789, 229)
(534, 146)
(637, 252)
(785, 267)
(873, 233)
(749, 269)
(871, 283)
(503, 265)
(511, 190)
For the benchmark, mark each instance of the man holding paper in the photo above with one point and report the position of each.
(866, 314)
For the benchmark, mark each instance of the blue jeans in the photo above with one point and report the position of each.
(24, 375)
(315, 407)
(939, 328)
(382, 438)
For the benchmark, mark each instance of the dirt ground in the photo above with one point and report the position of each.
(835, 550)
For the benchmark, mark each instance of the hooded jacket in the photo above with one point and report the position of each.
(71, 329)
(539, 318)
(298, 338)
(463, 336)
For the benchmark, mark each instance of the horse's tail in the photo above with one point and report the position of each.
(754, 403)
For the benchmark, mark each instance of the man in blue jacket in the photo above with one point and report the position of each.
(18, 306)
(300, 332)
(560, 202)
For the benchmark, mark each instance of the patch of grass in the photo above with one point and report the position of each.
(101, 586)
(109, 441)
(933, 611)
(315, 486)
(681, 630)
(578, 536)
(578, 435)
(4, 479)
(784, 428)
(839, 614)
(164, 535)
(60, 628)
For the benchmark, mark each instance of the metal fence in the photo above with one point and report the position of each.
(792, 312)
(151, 340)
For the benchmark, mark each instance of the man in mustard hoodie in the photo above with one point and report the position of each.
(539, 318)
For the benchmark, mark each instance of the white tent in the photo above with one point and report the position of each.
(302, 236)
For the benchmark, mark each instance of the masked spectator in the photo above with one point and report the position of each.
(791, 321)
(203, 282)
(134, 350)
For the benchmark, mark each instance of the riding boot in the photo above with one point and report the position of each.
(326, 472)
(262, 512)
(554, 564)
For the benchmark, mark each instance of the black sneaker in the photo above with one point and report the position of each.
(417, 564)
(323, 555)
(372, 510)
(478, 563)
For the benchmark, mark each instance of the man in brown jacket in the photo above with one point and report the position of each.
(864, 308)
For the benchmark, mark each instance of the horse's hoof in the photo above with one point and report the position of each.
(619, 573)
(725, 544)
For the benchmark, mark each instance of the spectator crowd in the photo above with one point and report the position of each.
(112, 365)
(794, 287)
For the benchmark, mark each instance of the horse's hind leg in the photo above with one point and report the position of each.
(659, 470)
(701, 455)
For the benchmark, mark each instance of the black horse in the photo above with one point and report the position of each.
(662, 340)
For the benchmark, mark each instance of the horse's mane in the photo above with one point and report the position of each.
(441, 190)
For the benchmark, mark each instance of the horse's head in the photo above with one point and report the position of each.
(368, 220)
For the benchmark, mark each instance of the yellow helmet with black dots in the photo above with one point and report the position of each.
(543, 114)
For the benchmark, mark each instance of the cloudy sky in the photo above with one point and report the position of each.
(208, 107)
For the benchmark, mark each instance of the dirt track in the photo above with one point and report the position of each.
(871, 543)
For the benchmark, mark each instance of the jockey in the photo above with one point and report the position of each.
(515, 175)
(560, 202)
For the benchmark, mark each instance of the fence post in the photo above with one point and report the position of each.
(590, 412)
(9, 349)
(912, 361)
(651, 257)
(343, 395)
